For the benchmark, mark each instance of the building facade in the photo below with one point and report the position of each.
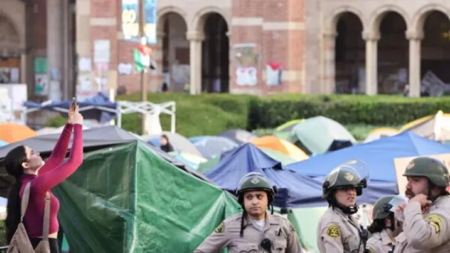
(254, 46)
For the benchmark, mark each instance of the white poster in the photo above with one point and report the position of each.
(14, 75)
(41, 81)
(102, 51)
(125, 68)
(273, 74)
(17, 95)
(84, 64)
(246, 76)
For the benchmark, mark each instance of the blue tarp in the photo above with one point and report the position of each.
(294, 190)
(100, 100)
(378, 155)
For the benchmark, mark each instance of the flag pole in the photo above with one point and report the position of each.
(143, 73)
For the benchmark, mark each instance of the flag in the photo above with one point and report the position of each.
(142, 57)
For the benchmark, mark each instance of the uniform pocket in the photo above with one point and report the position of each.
(279, 245)
(247, 247)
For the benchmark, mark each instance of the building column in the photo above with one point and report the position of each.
(195, 57)
(371, 62)
(55, 48)
(414, 62)
(23, 69)
(329, 63)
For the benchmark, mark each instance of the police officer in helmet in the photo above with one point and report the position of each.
(384, 227)
(338, 230)
(255, 229)
(426, 217)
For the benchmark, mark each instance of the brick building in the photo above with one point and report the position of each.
(321, 46)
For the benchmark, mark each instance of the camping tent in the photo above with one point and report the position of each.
(294, 190)
(285, 129)
(127, 199)
(378, 155)
(434, 127)
(320, 134)
(211, 146)
(178, 142)
(238, 135)
(93, 139)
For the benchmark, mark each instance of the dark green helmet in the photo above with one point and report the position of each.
(431, 168)
(255, 181)
(382, 208)
(344, 176)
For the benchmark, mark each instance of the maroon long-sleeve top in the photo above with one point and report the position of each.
(51, 174)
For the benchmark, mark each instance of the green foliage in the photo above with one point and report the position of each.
(347, 109)
(55, 121)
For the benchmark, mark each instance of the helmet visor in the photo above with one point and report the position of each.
(355, 171)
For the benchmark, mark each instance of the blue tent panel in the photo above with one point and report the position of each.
(294, 190)
(91, 114)
(378, 155)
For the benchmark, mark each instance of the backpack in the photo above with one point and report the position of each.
(20, 243)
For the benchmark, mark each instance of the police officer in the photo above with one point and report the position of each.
(426, 225)
(338, 230)
(255, 229)
(384, 227)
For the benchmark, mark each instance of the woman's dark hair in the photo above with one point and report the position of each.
(13, 165)
(377, 226)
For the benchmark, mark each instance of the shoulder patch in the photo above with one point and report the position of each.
(333, 231)
(436, 220)
(220, 229)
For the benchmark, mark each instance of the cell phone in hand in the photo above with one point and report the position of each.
(74, 101)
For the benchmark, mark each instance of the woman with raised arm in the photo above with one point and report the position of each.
(27, 166)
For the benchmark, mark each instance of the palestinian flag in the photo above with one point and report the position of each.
(142, 57)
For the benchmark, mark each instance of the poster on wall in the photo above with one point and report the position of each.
(41, 82)
(273, 74)
(13, 96)
(40, 76)
(246, 76)
(246, 59)
(130, 19)
(150, 21)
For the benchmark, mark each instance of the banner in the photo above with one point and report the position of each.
(130, 19)
(401, 163)
(150, 21)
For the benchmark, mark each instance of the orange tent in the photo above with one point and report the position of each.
(12, 132)
(283, 146)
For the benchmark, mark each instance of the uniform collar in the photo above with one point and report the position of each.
(439, 200)
(385, 238)
(347, 217)
(270, 220)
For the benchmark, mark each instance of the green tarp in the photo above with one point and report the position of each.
(127, 199)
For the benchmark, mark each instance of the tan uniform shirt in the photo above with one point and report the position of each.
(277, 229)
(426, 233)
(380, 242)
(338, 232)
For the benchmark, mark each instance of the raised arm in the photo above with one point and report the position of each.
(59, 151)
(47, 181)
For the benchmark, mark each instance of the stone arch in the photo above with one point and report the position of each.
(162, 14)
(377, 16)
(336, 14)
(9, 27)
(198, 22)
(421, 15)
